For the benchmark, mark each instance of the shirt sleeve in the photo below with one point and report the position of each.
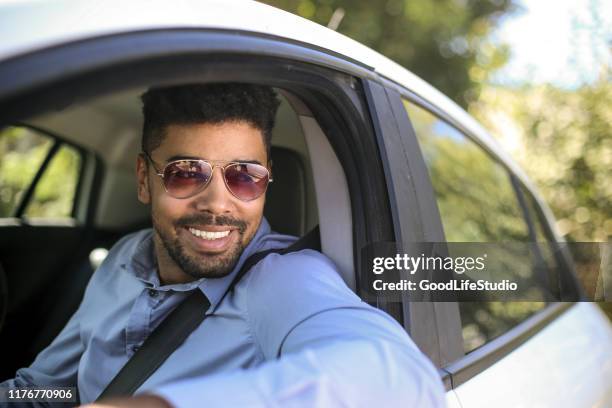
(324, 348)
(56, 365)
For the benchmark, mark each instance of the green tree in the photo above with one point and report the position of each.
(563, 141)
(444, 42)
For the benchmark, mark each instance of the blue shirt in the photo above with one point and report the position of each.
(290, 334)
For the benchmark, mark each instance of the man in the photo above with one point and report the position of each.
(290, 333)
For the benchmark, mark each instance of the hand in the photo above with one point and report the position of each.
(140, 401)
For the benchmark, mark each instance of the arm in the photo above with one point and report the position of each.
(347, 370)
(58, 364)
(55, 366)
(325, 348)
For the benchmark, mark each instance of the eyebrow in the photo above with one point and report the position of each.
(182, 157)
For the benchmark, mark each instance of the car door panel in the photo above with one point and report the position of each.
(566, 364)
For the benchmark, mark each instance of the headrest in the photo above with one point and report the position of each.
(285, 207)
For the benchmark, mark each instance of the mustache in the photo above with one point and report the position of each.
(208, 219)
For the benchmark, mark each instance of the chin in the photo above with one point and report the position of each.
(199, 265)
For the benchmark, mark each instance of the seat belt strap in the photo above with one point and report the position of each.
(166, 338)
(181, 322)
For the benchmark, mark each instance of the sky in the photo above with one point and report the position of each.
(556, 41)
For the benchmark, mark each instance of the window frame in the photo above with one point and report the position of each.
(409, 187)
(567, 281)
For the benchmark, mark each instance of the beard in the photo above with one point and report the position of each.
(197, 265)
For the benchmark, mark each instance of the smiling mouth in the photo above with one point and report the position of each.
(208, 235)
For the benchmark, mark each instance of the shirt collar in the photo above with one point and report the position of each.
(143, 265)
(215, 288)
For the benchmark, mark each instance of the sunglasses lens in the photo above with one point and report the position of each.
(186, 177)
(247, 181)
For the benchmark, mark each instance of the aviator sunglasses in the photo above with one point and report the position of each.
(185, 178)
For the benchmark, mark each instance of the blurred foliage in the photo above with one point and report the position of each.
(21, 155)
(475, 196)
(563, 140)
(22, 152)
(54, 193)
(444, 42)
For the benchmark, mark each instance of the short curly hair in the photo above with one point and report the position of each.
(207, 103)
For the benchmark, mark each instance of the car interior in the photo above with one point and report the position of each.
(49, 262)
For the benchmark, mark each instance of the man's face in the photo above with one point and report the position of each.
(184, 249)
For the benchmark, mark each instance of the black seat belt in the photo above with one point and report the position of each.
(179, 324)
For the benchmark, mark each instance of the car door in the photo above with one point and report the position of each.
(510, 353)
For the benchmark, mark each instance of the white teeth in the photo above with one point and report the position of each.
(208, 235)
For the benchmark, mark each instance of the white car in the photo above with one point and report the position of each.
(362, 148)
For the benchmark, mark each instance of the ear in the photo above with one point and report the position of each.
(142, 173)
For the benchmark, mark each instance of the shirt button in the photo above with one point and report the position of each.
(153, 293)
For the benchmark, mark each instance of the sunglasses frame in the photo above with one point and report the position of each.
(222, 164)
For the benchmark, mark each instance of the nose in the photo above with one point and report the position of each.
(215, 198)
